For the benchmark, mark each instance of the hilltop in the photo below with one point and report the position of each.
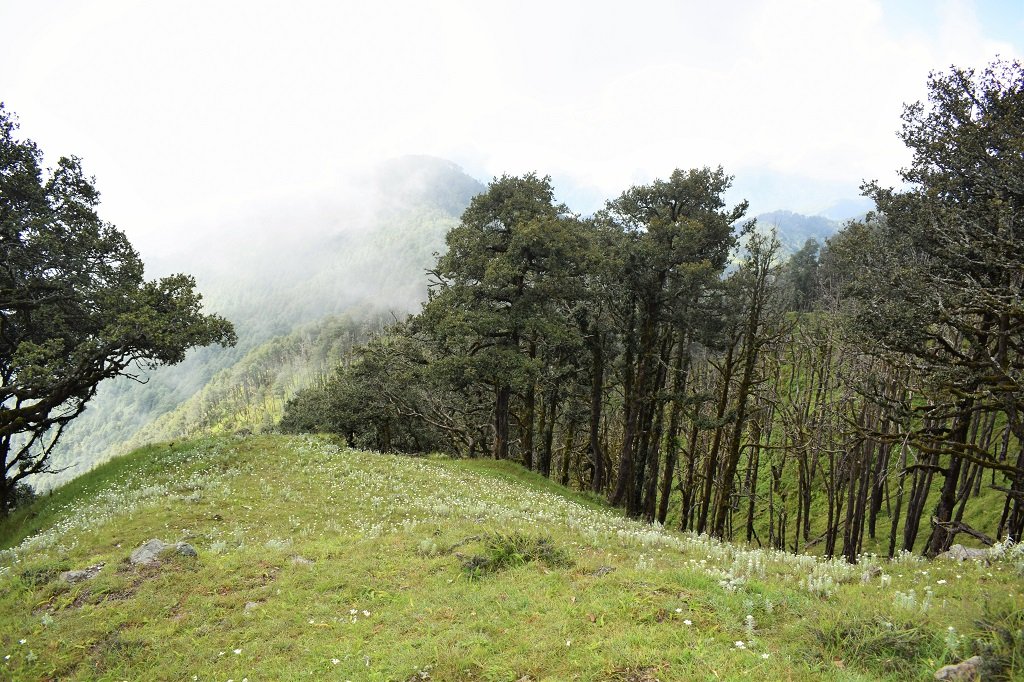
(316, 561)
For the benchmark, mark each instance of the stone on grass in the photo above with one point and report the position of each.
(961, 553)
(299, 560)
(81, 574)
(185, 549)
(149, 553)
(967, 671)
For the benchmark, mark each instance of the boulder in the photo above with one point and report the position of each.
(961, 553)
(149, 553)
(185, 549)
(966, 671)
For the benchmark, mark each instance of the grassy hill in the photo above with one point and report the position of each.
(320, 562)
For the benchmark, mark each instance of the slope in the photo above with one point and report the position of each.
(319, 562)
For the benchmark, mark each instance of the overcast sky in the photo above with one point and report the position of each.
(192, 114)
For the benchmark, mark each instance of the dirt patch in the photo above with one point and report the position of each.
(642, 674)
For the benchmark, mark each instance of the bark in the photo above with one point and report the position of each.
(501, 400)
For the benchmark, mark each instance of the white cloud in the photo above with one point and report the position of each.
(191, 113)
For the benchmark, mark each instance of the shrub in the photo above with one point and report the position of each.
(508, 550)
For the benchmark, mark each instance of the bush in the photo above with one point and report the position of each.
(509, 550)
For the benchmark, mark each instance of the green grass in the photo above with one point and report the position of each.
(318, 562)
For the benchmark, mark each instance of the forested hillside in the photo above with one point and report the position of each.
(864, 395)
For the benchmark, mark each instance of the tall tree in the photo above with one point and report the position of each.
(679, 237)
(74, 307)
(492, 288)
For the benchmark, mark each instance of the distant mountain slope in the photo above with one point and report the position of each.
(366, 250)
(795, 229)
(251, 394)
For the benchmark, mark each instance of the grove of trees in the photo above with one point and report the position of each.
(663, 353)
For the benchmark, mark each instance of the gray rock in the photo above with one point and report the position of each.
(961, 553)
(602, 571)
(185, 549)
(967, 671)
(149, 553)
(81, 574)
(250, 605)
(299, 560)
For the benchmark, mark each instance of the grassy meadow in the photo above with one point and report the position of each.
(318, 562)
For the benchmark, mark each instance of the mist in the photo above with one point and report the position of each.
(281, 274)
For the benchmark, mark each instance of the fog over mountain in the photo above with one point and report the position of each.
(362, 252)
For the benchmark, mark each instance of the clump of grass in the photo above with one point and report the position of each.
(883, 647)
(41, 575)
(1001, 643)
(508, 550)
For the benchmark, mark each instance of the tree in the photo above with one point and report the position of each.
(492, 288)
(942, 294)
(74, 307)
(677, 238)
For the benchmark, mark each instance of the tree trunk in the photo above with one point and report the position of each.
(597, 481)
(502, 394)
(712, 463)
(942, 537)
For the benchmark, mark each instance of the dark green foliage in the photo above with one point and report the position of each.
(508, 550)
(24, 495)
(74, 307)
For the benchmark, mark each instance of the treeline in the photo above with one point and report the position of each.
(660, 353)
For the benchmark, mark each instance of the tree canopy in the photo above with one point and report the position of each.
(74, 306)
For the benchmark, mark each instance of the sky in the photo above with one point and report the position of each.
(195, 114)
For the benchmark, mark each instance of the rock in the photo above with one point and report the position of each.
(870, 573)
(299, 560)
(149, 553)
(602, 571)
(81, 574)
(961, 553)
(185, 549)
(250, 605)
(966, 671)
